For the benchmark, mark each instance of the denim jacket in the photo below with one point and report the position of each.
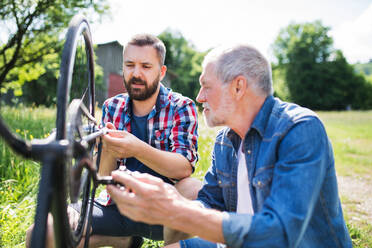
(292, 182)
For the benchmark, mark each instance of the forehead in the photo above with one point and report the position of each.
(208, 75)
(140, 54)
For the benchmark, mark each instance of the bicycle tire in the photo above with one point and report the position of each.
(78, 34)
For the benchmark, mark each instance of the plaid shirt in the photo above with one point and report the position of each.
(171, 124)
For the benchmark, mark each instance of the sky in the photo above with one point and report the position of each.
(210, 23)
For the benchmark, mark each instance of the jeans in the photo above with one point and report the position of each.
(107, 221)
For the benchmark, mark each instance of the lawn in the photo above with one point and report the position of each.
(350, 133)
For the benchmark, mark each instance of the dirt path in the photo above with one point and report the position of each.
(356, 196)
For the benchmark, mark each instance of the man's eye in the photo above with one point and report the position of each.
(146, 66)
(129, 65)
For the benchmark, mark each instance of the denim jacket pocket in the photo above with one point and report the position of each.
(224, 179)
(262, 184)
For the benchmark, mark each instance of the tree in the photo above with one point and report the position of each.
(45, 87)
(33, 30)
(183, 62)
(366, 68)
(317, 75)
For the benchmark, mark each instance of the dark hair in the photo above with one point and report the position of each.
(149, 40)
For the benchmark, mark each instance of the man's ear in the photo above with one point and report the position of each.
(239, 87)
(163, 70)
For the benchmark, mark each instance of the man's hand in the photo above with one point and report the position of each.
(146, 198)
(120, 144)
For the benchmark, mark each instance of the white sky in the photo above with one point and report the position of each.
(208, 23)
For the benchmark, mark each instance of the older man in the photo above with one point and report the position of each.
(272, 181)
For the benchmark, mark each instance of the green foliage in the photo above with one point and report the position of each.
(361, 238)
(317, 76)
(280, 86)
(183, 62)
(19, 177)
(34, 29)
(365, 69)
(43, 91)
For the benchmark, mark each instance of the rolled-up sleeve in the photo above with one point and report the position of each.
(184, 133)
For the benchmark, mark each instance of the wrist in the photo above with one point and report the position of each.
(139, 148)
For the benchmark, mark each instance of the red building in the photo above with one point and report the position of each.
(110, 58)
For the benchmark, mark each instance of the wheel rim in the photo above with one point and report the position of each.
(76, 82)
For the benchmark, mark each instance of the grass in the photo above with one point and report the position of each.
(351, 136)
(350, 133)
(19, 177)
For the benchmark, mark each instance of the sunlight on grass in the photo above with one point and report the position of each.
(351, 136)
(205, 147)
(20, 177)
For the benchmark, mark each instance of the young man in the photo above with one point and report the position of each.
(158, 135)
(272, 182)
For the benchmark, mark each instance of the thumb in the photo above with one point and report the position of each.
(109, 125)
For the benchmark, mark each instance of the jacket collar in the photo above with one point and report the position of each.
(259, 122)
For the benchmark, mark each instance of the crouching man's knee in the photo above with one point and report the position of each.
(49, 239)
(188, 188)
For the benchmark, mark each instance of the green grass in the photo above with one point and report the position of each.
(19, 177)
(350, 133)
(351, 136)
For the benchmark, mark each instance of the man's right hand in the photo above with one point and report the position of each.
(121, 144)
(108, 159)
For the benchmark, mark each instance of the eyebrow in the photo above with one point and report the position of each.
(146, 63)
(132, 62)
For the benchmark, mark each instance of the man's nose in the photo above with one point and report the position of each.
(136, 71)
(201, 97)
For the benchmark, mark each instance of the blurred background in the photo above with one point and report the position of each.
(320, 52)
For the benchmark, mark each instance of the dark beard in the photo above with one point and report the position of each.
(141, 94)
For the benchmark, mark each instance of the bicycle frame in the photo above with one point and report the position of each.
(56, 151)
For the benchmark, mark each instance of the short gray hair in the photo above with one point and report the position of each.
(242, 60)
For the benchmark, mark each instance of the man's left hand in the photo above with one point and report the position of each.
(145, 198)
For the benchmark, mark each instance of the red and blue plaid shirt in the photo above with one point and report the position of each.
(172, 124)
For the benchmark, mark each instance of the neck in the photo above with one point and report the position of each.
(245, 114)
(142, 108)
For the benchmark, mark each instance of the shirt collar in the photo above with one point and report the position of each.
(163, 99)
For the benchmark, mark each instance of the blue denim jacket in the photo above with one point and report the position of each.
(292, 182)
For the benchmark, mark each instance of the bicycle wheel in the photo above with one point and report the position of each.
(76, 81)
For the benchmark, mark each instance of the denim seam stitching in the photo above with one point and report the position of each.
(328, 219)
(262, 169)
